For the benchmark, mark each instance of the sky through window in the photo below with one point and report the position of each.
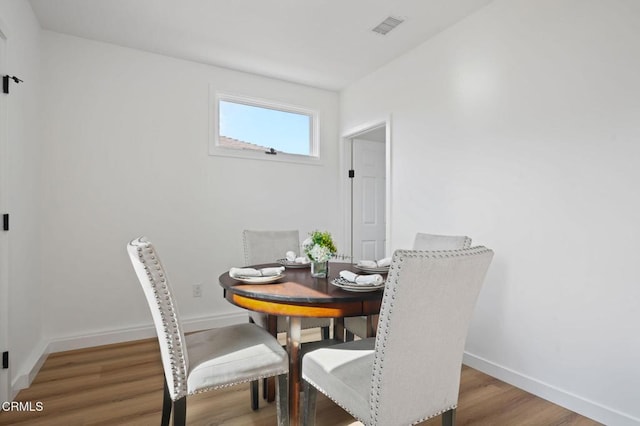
(284, 131)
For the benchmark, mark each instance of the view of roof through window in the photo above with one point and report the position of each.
(244, 126)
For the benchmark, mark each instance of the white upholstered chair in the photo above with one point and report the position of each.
(410, 371)
(209, 359)
(358, 325)
(440, 242)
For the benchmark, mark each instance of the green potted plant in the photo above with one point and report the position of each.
(319, 248)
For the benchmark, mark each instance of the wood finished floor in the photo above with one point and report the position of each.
(121, 384)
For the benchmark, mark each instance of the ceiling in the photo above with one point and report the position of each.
(322, 43)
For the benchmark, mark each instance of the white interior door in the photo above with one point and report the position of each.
(369, 187)
(4, 238)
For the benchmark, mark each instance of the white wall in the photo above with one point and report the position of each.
(519, 127)
(23, 185)
(126, 148)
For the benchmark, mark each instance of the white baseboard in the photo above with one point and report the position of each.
(39, 355)
(136, 333)
(33, 365)
(570, 401)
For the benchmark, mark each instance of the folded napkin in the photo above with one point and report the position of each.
(368, 264)
(375, 263)
(292, 257)
(375, 279)
(251, 272)
(384, 262)
(272, 272)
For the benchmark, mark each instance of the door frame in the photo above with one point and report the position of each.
(346, 145)
(5, 375)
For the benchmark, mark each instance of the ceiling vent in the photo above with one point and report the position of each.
(387, 25)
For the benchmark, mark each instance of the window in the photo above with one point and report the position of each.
(253, 128)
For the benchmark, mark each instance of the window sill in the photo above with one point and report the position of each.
(248, 154)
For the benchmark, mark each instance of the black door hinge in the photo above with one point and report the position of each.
(5, 82)
(5, 222)
(5, 360)
(352, 174)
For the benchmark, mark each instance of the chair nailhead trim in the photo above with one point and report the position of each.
(364, 421)
(173, 336)
(226, 385)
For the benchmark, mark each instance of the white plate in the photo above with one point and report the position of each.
(349, 286)
(259, 280)
(382, 269)
(293, 265)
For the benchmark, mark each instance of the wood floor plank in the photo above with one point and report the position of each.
(121, 384)
(100, 353)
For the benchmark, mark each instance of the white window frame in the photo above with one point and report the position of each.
(214, 125)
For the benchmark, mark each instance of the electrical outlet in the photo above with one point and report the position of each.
(197, 290)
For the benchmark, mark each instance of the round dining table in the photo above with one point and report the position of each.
(297, 294)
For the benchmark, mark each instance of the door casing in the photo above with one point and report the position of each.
(5, 386)
(345, 165)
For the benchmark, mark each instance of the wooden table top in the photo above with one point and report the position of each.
(298, 289)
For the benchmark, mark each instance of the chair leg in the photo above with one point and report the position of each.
(254, 395)
(180, 412)
(254, 385)
(338, 329)
(348, 336)
(282, 400)
(449, 417)
(308, 404)
(325, 333)
(166, 406)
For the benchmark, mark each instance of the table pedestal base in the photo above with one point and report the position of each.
(293, 348)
